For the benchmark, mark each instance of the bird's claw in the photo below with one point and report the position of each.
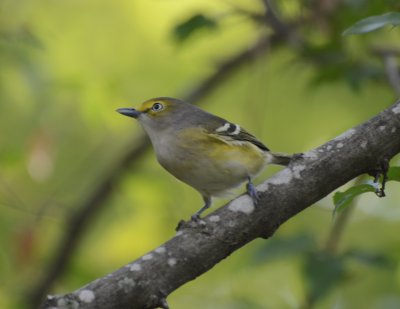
(252, 192)
(195, 218)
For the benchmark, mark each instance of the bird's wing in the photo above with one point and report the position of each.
(230, 132)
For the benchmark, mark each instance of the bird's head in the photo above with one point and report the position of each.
(159, 113)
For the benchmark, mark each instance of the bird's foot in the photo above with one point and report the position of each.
(195, 221)
(252, 192)
(195, 217)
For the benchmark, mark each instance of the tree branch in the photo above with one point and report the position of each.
(78, 222)
(147, 281)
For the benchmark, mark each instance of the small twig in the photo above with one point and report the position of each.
(389, 57)
(339, 225)
(273, 20)
(284, 29)
(381, 171)
(79, 222)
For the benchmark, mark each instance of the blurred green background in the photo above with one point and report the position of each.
(65, 66)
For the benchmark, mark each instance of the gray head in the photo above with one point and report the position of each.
(164, 113)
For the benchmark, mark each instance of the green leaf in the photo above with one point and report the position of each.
(373, 23)
(323, 273)
(184, 30)
(342, 200)
(394, 173)
(370, 258)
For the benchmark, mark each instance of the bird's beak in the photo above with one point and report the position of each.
(130, 112)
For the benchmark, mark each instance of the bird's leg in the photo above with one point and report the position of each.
(252, 192)
(207, 204)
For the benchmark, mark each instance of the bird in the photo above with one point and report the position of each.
(205, 151)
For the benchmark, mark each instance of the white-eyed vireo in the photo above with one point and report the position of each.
(204, 151)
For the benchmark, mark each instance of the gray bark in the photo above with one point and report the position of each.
(195, 249)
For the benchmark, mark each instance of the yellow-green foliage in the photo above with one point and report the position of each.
(65, 66)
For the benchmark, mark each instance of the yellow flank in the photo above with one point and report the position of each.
(210, 163)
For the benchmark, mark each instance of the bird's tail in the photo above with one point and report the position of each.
(281, 158)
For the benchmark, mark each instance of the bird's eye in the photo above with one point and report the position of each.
(157, 107)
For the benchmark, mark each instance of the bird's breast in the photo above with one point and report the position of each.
(206, 163)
